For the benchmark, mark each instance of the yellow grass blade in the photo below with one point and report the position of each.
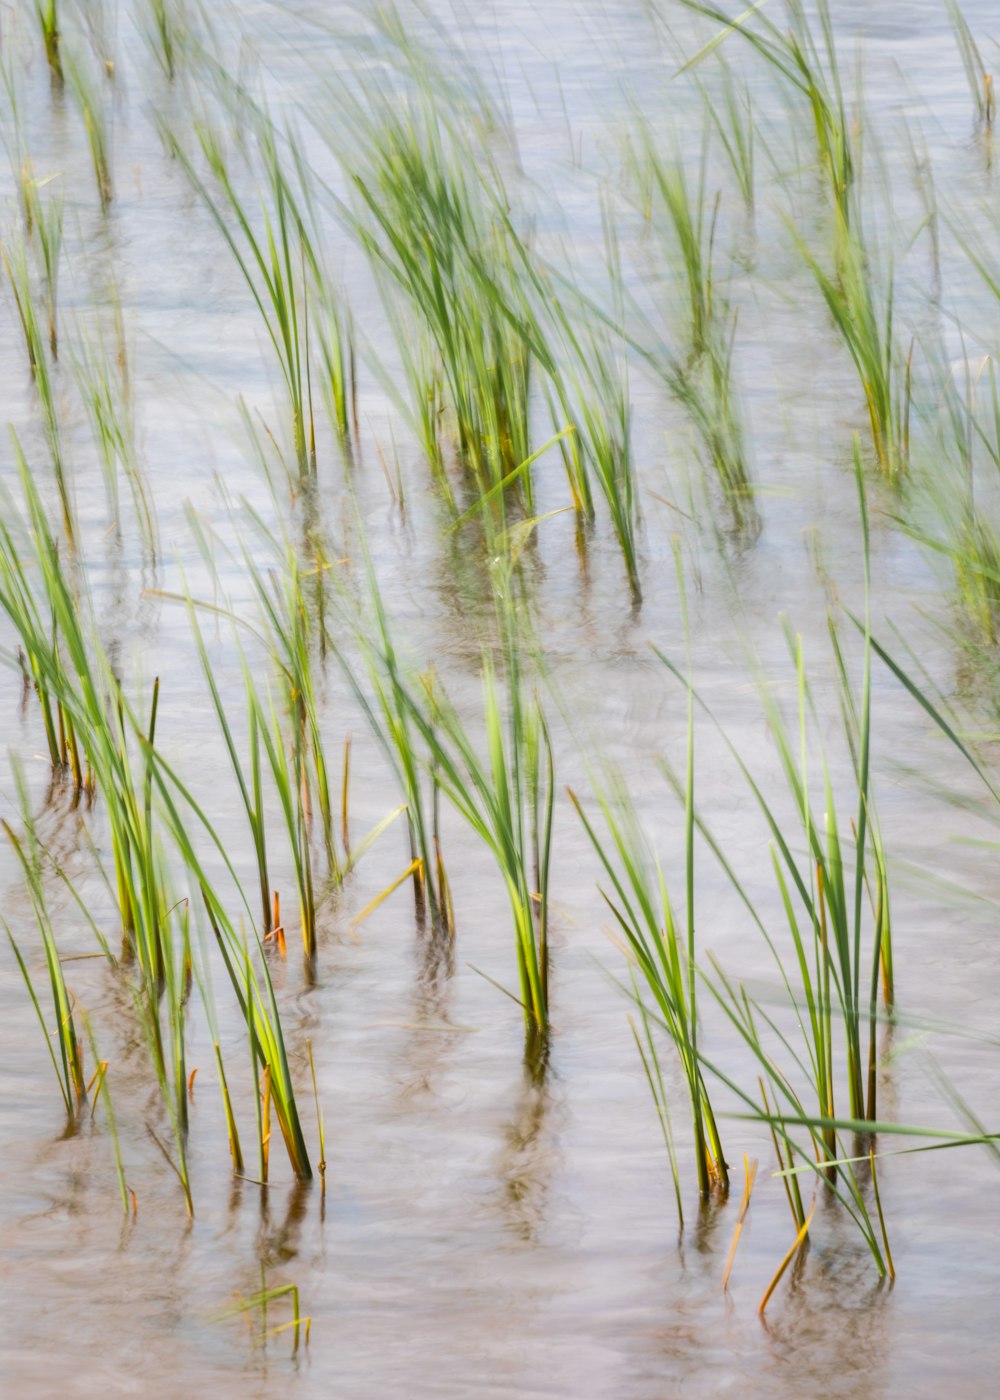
(799, 1238)
(414, 868)
(750, 1172)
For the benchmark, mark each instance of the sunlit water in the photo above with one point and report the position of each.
(481, 1232)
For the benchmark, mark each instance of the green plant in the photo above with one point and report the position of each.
(47, 12)
(279, 258)
(69, 1062)
(431, 211)
(661, 947)
(809, 64)
(93, 109)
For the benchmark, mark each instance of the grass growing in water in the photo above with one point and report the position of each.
(278, 254)
(661, 945)
(47, 14)
(431, 211)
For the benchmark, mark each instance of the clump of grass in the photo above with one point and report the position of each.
(166, 33)
(831, 898)
(863, 316)
(155, 920)
(959, 522)
(47, 13)
(661, 946)
(698, 367)
(104, 381)
(808, 62)
(399, 725)
(43, 218)
(92, 107)
(278, 254)
(501, 783)
(706, 391)
(251, 983)
(806, 59)
(686, 224)
(507, 799)
(431, 210)
(75, 674)
(822, 966)
(588, 387)
(285, 735)
(64, 1038)
(980, 80)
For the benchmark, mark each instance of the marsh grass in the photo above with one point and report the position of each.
(696, 366)
(861, 305)
(498, 774)
(491, 331)
(954, 516)
(681, 216)
(47, 14)
(43, 220)
(980, 80)
(155, 917)
(284, 724)
(165, 27)
(591, 392)
(104, 382)
(660, 943)
(805, 56)
(278, 253)
(827, 903)
(93, 106)
(64, 1038)
(431, 208)
(507, 798)
(382, 687)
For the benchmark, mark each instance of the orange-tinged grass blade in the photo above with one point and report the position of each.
(415, 868)
(750, 1174)
(799, 1239)
(265, 1123)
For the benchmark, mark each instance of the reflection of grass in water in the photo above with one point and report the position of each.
(527, 1157)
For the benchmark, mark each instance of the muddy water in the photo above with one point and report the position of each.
(484, 1232)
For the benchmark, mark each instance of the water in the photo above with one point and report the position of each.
(482, 1233)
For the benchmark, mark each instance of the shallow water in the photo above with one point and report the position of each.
(483, 1232)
